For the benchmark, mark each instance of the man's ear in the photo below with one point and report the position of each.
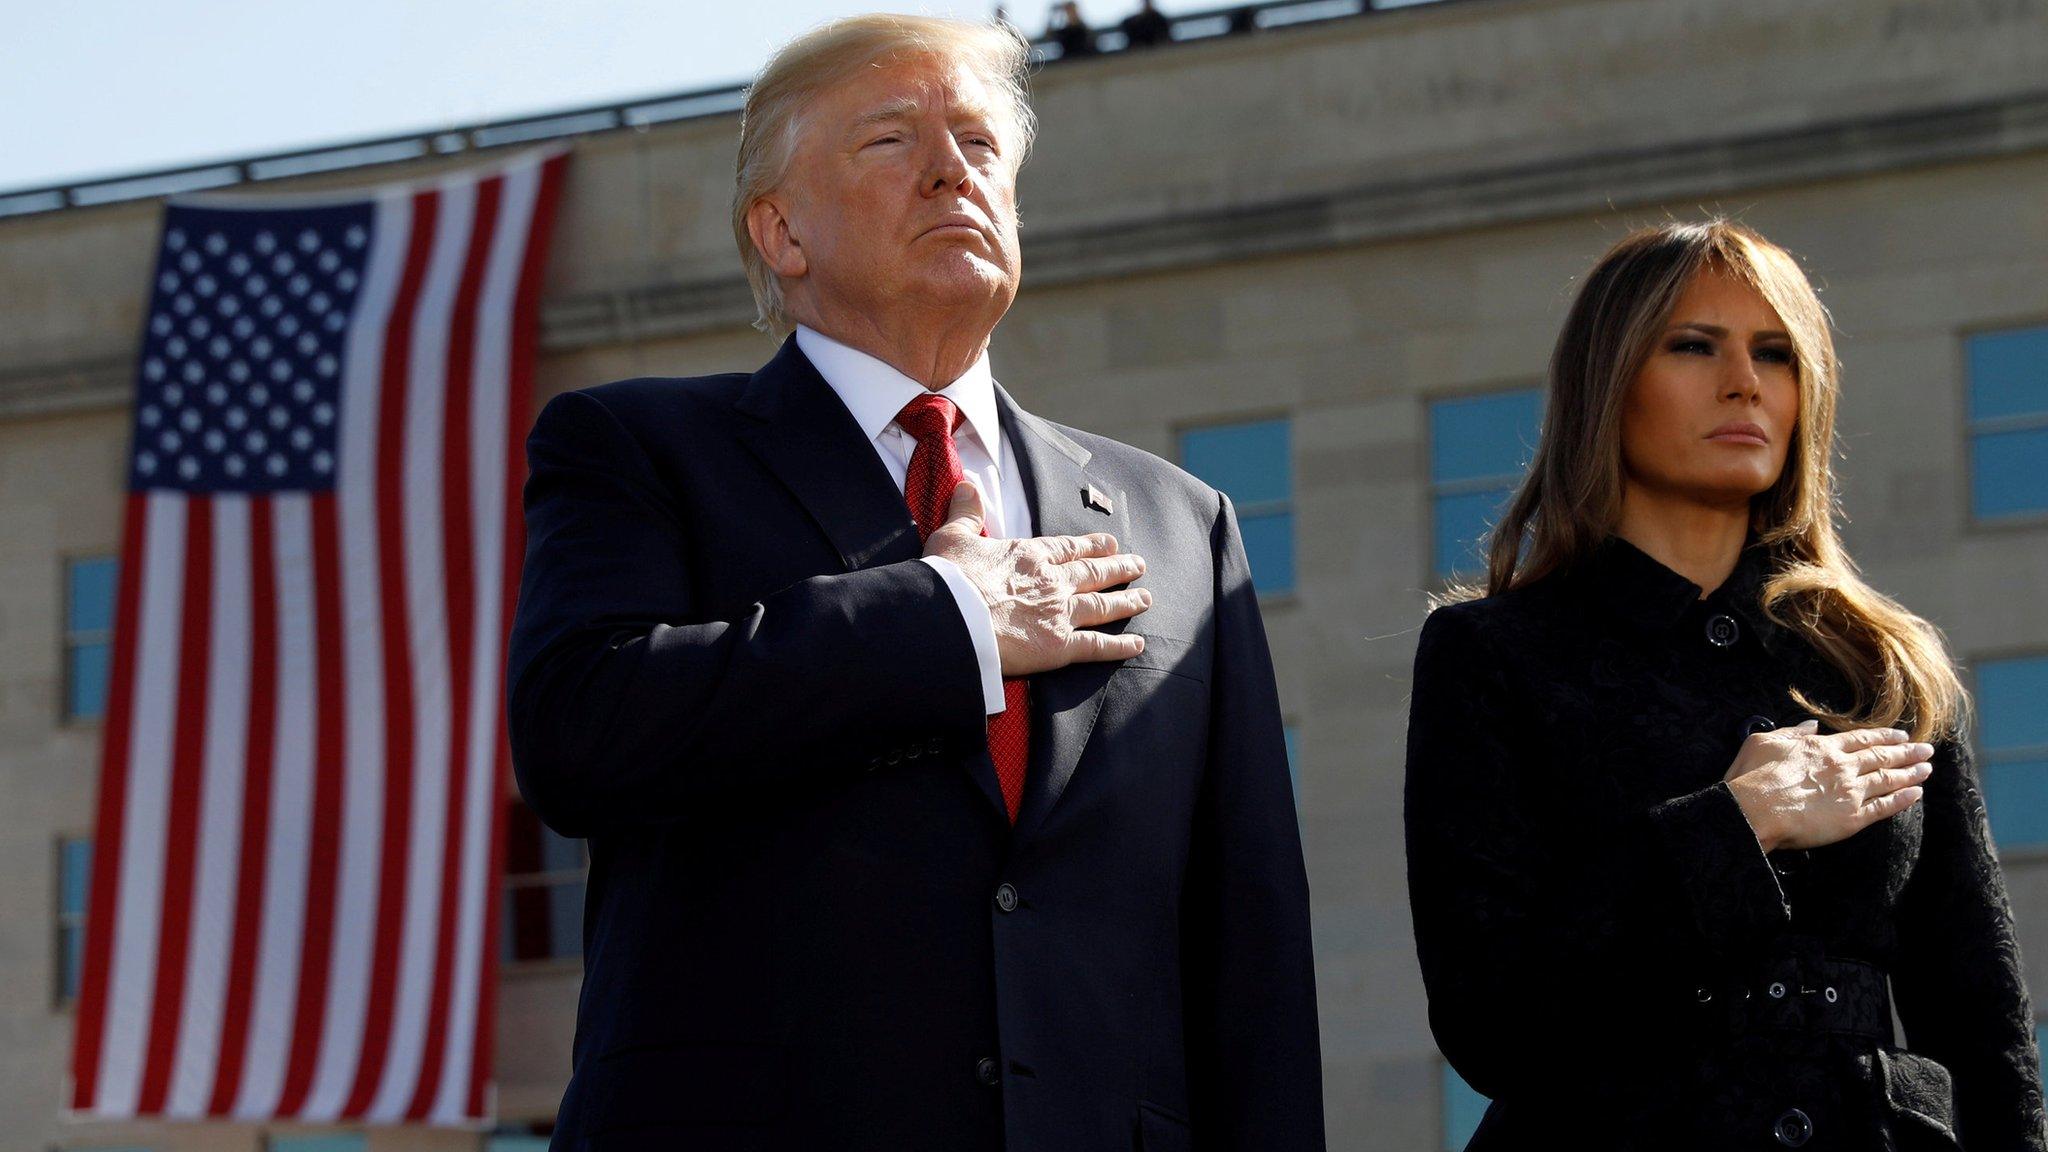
(768, 223)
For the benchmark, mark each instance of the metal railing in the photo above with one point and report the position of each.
(696, 103)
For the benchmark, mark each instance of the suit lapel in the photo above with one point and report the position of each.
(807, 438)
(1065, 501)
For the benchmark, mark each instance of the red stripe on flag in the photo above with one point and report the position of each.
(518, 422)
(259, 763)
(456, 543)
(106, 849)
(330, 760)
(188, 755)
(398, 702)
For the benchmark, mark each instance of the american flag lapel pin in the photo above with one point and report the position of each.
(1093, 498)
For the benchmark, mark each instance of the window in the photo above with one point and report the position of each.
(74, 886)
(2013, 739)
(518, 1138)
(543, 890)
(2008, 380)
(1292, 734)
(1479, 447)
(1254, 466)
(88, 632)
(316, 1142)
(1463, 1108)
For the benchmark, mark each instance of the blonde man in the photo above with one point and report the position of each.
(928, 752)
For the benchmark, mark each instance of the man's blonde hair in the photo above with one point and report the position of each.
(829, 55)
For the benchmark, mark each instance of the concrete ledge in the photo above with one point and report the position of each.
(1400, 209)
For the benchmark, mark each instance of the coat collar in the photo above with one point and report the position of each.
(806, 436)
(1066, 500)
(1634, 588)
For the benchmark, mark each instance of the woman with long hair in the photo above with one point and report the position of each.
(1689, 805)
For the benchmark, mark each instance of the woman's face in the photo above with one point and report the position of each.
(1710, 416)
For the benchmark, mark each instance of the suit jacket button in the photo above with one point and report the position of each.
(1793, 1129)
(1006, 898)
(985, 1071)
(1758, 724)
(874, 762)
(937, 745)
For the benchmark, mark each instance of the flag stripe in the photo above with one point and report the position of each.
(308, 737)
(259, 756)
(139, 913)
(525, 340)
(396, 785)
(218, 841)
(428, 396)
(106, 851)
(489, 478)
(456, 479)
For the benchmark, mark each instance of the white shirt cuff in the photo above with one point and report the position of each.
(980, 625)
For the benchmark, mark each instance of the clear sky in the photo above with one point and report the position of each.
(104, 87)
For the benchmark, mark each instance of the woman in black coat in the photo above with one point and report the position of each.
(1689, 810)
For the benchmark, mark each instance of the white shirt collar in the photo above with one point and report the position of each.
(875, 392)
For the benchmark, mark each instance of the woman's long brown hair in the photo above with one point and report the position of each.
(1896, 663)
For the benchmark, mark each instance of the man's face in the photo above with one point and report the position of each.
(902, 194)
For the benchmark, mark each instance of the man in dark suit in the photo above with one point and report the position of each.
(923, 814)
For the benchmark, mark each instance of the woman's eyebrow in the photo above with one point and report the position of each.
(1718, 332)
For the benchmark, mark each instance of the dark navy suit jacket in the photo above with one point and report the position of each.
(809, 923)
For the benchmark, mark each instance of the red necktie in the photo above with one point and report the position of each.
(928, 488)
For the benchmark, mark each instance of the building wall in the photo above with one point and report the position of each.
(1336, 225)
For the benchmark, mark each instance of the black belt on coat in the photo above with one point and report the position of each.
(1809, 995)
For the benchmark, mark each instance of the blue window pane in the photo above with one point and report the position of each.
(1483, 435)
(71, 959)
(325, 1142)
(2008, 373)
(90, 596)
(1293, 737)
(1462, 522)
(1269, 548)
(565, 920)
(74, 875)
(2007, 473)
(85, 697)
(2012, 700)
(559, 853)
(1250, 463)
(1463, 1108)
(2016, 792)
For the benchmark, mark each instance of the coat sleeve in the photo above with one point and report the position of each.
(1961, 991)
(1254, 1057)
(1526, 927)
(627, 707)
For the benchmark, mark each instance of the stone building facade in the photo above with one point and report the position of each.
(1323, 265)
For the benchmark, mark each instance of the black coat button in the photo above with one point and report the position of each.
(985, 1071)
(1722, 630)
(1793, 1129)
(1006, 898)
(1758, 724)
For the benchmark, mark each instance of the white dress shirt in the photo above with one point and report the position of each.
(875, 392)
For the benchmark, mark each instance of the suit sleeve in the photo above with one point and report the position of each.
(1254, 1057)
(627, 707)
(1961, 991)
(1514, 908)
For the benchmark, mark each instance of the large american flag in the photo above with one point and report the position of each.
(293, 910)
